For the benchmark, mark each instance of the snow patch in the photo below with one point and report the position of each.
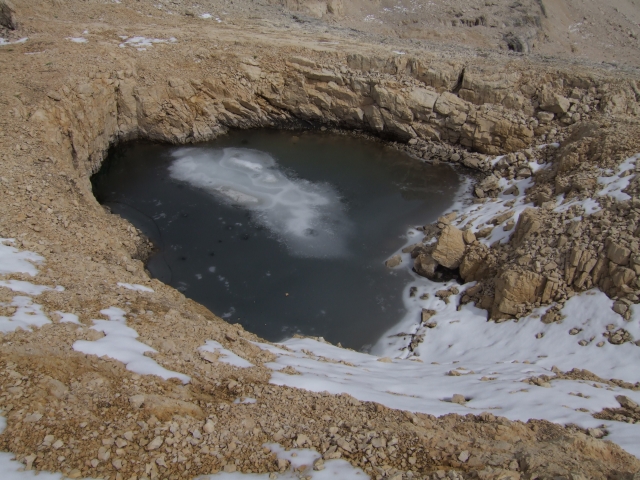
(13, 260)
(615, 184)
(28, 287)
(226, 356)
(136, 287)
(26, 315)
(6, 42)
(68, 318)
(120, 344)
(142, 43)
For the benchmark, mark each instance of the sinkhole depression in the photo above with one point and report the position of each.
(283, 232)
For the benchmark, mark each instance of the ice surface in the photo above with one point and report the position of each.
(308, 217)
(120, 344)
(13, 260)
(226, 356)
(77, 39)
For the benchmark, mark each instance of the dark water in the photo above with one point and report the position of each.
(282, 233)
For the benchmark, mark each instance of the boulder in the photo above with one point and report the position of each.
(618, 254)
(424, 265)
(374, 117)
(393, 261)
(513, 289)
(7, 15)
(468, 237)
(626, 402)
(474, 266)
(422, 101)
(449, 250)
(552, 102)
(528, 224)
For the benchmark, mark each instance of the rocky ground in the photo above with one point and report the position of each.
(90, 74)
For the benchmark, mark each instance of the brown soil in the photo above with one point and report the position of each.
(64, 103)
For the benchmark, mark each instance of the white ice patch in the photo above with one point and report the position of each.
(308, 217)
(27, 315)
(142, 43)
(225, 356)
(77, 39)
(615, 184)
(5, 42)
(120, 344)
(13, 260)
(134, 286)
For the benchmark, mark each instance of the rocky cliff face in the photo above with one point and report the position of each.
(439, 110)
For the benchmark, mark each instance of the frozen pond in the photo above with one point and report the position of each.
(281, 232)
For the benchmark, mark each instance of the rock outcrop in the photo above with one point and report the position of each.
(7, 15)
(450, 248)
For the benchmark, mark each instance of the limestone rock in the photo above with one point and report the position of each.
(474, 266)
(449, 250)
(374, 117)
(626, 402)
(422, 101)
(459, 399)
(393, 261)
(425, 265)
(54, 387)
(450, 104)
(528, 224)
(164, 407)
(552, 102)
(396, 128)
(618, 253)
(514, 289)
(392, 101)
(7, 15)
(252, 72)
